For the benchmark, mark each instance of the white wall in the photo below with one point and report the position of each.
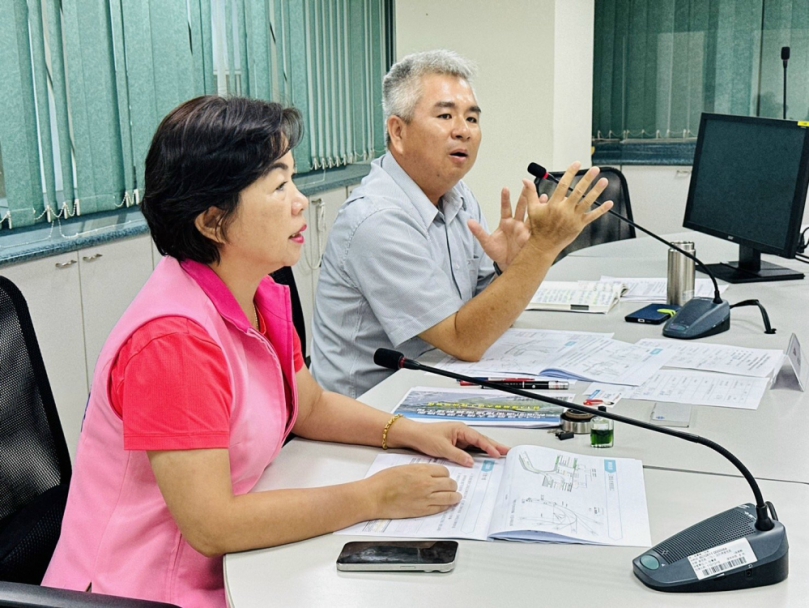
(572, 83)
(534, 82)
(659, 194)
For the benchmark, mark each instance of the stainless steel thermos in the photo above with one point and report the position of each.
(680, 285)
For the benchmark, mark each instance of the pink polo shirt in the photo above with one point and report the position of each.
(117, 532)
(165, 365)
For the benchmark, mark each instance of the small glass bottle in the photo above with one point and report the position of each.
(602, 433)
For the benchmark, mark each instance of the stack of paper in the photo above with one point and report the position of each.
(576, 296)
(571, 355)
(706, 374)
(654, 290)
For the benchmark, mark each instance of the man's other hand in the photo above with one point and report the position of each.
(556, 222)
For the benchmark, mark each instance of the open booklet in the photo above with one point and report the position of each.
(566, 355)
(480, 407)
(534, 494)
(576, 296)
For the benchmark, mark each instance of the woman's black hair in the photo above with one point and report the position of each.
(204, 153)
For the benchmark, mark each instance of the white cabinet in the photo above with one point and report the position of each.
(75, 299)
(319, 218)
(111, 276)
(51, 288)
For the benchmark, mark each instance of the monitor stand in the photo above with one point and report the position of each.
(750, 269)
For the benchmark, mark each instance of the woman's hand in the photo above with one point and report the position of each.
(412, 490)
(442, 440)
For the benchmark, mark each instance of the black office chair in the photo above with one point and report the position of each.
(34, 461)
(284, 276)
(34, 468)
(608, 228)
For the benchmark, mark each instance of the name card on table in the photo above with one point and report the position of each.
(796, 361)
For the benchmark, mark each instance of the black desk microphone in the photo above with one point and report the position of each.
(666, 566)
(699, 317)
(785, 61)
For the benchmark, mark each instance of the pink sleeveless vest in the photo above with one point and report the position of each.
(117, 533)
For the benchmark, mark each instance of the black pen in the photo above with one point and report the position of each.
(548, 385)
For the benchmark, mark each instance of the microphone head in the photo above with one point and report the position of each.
(390, 359)
(537, 171)
(785, 53)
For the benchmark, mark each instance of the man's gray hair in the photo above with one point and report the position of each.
(401, 89)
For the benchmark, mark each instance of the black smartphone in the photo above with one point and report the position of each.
(399, 556)
(653, 314)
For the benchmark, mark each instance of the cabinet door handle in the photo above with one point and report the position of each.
(67, 264)
(91, 258)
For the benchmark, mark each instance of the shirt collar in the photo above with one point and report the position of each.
(452, 201)
(222, 298)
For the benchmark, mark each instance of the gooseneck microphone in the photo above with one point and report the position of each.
(667, 566)
(785, 61)
(699, 317)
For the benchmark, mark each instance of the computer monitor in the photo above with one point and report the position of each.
(749, 185)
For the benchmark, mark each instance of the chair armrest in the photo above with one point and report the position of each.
(34, 596)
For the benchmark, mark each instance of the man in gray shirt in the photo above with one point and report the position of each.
(410, 264)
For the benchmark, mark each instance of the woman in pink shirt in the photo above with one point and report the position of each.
(202, 380)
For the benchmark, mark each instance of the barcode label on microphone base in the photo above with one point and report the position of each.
(722, 558)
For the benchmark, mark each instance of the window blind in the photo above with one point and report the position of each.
(85, 84)
(658, 64)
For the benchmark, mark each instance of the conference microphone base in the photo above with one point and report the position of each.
(698, 318)
(727, 553)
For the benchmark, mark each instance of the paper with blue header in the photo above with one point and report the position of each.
(535, 494)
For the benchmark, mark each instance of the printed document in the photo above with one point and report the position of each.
(702, 388)
(560, 354)
(534, 494)
(755, 362)
(518, 352)
(607, 360)
(481, 407)
(581, 296)
(654, 290)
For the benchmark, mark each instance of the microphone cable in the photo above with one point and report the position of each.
(803, 242)
(768, 329)
(539, 172)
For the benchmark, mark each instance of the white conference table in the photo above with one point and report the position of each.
(505, 574)
(684, 482)
(769, 440)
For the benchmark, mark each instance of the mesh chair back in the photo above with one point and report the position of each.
(34, 461)
(607, 228)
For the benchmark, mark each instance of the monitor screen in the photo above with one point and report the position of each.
(749, 182)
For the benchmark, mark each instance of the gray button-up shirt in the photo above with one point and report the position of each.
(395, 265)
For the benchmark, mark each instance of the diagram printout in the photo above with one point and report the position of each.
(534, 494)
(607, 360)
(754, 362)
(553, 496)
(702, 388)
(560, 354)
(519, 352)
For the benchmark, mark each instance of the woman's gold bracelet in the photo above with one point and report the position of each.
(387, 428)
